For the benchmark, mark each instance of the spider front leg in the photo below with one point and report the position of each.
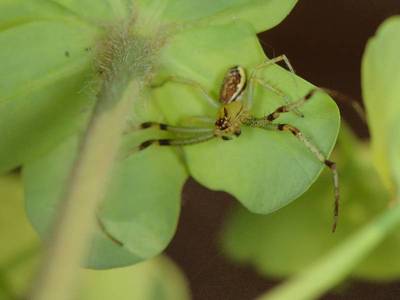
(197, 135)
(210, 100)
(291, 106)
(198, 121)
(265, 84)
(275, 60)
(175, 129)
(177, 142)
(322, 158)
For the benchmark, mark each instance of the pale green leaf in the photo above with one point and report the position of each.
(268, 242)
(19, 243)
(381, 92)
(325, 273)
(265, 170)
(261, 14)
(158, 278)
(41, 93)
(140, 210)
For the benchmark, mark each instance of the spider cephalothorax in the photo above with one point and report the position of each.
(232, 112)
(230, 118)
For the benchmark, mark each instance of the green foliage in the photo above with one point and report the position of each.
(261, 14)
(286, 242)
(48, 89)
(141, 213)
(158, 278)
(19, 243)
(381, 91)
(292, 241)
(325, 273)
(267, 160)
(37, 68)
(50, 102)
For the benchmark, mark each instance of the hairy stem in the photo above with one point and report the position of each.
(124, 62)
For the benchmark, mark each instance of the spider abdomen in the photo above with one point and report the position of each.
(233, 85)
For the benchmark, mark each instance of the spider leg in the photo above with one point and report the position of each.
(275, 60)
(198, 120)
(197, 135)
(268, 86)
(210, 100)
(175, 129)
(265, 84)
(348, 100)
(291, 106)
(321, 157)
(177, 142)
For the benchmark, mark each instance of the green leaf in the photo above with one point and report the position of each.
(91, 12)
(298, 234)
(14, 229)
(261, 14)
(202, 54)
(17, 12)
(140, 210)
(327, 272)
(95, 11)
(274, 167)
(381, 92)
(38, 68)
(158, 278)
(19, 241)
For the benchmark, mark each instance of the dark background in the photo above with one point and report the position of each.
(324, 40)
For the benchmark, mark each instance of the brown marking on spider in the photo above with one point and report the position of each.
(233, 85)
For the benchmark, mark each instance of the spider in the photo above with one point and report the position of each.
(233, 113)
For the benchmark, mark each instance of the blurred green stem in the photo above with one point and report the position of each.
(124, 61)
(88, 181)
(334, 267)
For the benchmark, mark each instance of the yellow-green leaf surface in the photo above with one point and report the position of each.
(381, 92)
(290, 240)
(261, 14)
(158, 278)
(45, 65)
(17, 12)
(141, 208)
(19, 243)
(97, 12)
(265, 170)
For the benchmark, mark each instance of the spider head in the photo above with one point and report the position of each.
(229, 119)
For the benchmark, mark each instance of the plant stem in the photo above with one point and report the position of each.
(86, 188)
(124, 62)
(334, 267)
